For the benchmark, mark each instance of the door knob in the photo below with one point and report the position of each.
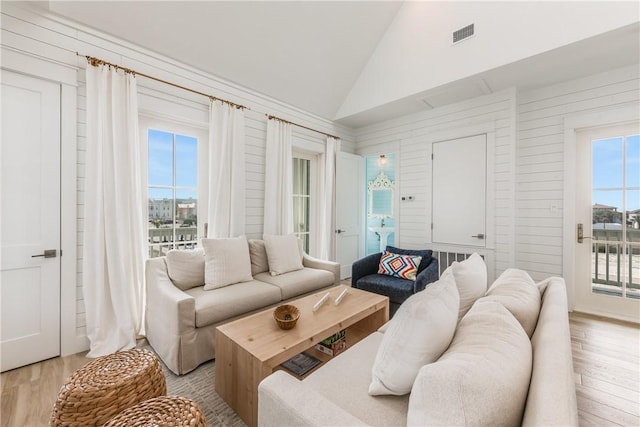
(479, 236)
(48, 253)
(338, 231)
(581, 235)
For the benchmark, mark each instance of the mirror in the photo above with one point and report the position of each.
(380, 196)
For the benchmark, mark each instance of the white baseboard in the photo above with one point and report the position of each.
(611, 315)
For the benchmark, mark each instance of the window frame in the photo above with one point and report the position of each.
(145, 123)
(313, 159)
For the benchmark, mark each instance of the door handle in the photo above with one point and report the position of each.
(338, 231)
(581, 235)
(48, 253)
(479, 236)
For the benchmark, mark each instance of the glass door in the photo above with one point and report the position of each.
(608, 213)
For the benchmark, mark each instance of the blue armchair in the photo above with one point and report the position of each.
(364, 275)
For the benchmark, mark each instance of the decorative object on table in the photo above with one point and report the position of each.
(341, 297)
(104, 387)
(333, 345)
(286, 316)
(301, 363)
(161, 411)
(322, 300)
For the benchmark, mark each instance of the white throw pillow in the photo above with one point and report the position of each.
(419, 333)
(471, 280)
(226, 262)
(186, 268)
(483, 377)
(283, 253)
(517, 291)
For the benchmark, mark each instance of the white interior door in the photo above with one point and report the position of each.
(30, 222)
(460, 191)
(607, 257)
(349, 210)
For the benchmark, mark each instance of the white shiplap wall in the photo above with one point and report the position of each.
(411, 136)
(540, 163)
(34, 42)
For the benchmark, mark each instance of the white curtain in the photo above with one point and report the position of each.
(326, 237)
(114, 225)
(278, 180)
(226, 171)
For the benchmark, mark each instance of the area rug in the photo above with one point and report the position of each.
(199, 386)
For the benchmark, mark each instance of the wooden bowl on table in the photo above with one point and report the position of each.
(286, 316)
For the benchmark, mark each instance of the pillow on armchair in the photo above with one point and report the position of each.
(396, 265)
(426, 254)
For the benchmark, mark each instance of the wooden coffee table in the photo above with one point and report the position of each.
(251, 348)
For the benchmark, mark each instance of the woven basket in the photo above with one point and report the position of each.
(286, 316)
(161, 411)
(104, 387)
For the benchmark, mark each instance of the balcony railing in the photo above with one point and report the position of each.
(161, 240)
(612, 264)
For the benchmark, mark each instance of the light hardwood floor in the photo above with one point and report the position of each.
(606, 361)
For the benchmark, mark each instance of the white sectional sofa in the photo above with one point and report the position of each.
(182, 314)
(508, 363)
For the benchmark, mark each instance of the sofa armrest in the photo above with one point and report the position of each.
(552, 395)
(285, 401)
(320, 264)
(364, 267)
(168, 308)
(426, 276)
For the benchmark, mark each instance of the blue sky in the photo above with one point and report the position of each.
(161, 164)
(607, 155)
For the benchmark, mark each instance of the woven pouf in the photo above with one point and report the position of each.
(104, 387)
(164, 411)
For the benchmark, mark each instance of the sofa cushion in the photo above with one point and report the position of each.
(258, 254)
(471, 280)
(227, 262)
(217, 305)
(396, 265)
(426, 254)
(517, 291)
(283, 253)
(344, 380)
(398, 290)
(418, 334)
(298, 282)
(482, 378)
(186, 268)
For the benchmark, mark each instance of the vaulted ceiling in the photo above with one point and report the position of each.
(319, 55)
(307, 54)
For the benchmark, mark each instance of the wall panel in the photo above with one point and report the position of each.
(413, 134)
(540, 164)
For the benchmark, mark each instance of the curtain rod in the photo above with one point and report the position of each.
(270, 117)
(97, 61)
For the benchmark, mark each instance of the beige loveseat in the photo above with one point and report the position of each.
(448, 394)
(180, 323)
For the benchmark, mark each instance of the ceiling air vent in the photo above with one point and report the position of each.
(462, 33)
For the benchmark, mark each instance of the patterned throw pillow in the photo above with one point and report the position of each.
(402, 266)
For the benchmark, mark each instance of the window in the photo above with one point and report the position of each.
(304, 178)
(172, 190)
(301, 201)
